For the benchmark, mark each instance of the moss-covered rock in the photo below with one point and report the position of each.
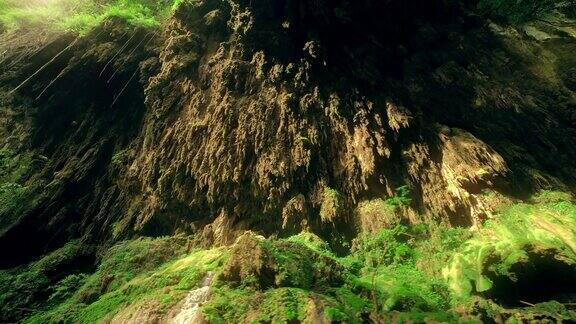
(262, 264)
(392, 275)
(49, 280)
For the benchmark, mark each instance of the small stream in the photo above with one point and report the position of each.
(189, 312)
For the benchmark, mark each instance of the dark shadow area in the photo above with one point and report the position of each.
(539, 279)
(85, 107)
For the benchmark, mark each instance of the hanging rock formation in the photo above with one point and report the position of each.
(282, 116)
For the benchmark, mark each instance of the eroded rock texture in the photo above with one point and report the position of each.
(284, 115)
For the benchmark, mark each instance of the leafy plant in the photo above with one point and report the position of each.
(402, 197)
(388, 246)
(506, 241)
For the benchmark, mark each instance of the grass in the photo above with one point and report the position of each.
(81, 16)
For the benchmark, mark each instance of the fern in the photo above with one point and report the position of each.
(402, 197)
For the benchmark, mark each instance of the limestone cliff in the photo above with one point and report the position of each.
(280, 117)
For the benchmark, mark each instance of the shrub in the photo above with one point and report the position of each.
(387, 247)
(402, 197)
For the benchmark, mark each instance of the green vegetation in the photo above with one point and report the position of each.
(395, 274)
(402, 197)
(24, 288)
(14, 192)
(82, 15)
(380, 275)
(388, 264)
(502, 243)
(12, 195)
(132, 271)
(405, 273)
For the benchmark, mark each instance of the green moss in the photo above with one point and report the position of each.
(280, 305)
(130, 273)
(15, 192)
(283, 305)
(312, 242)
(124, 261)
(66, 287)
(13, 198)
(21, 288)
(551, 196)
(229, 305)
(508, 239)
(15, 167)
(394, 275)
(81, 15)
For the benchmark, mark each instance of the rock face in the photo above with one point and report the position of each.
(263, 115)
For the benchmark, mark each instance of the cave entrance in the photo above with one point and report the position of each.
(541, 278)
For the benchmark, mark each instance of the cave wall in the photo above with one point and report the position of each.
(283, 116)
